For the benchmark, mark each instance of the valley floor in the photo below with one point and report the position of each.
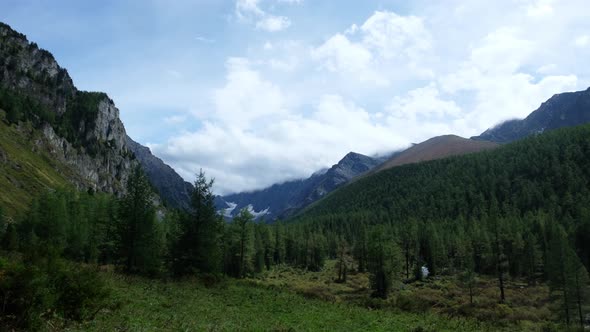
(151, 305)
(527, 307)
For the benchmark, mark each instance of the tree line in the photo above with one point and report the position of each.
(518, 212)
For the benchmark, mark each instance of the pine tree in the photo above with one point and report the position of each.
(383, 261)
(279, 244)
(198, 248)
(244, 220)
(579, 286)
(408, 241)
(138, 244)
(567, 278)
(360, 247)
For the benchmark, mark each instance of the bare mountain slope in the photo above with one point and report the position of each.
(436, 148)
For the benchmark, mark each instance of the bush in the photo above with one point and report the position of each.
(411, 303)
(34, 292)
(82, 293)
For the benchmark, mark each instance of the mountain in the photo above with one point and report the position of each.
(54, 135)
(83, 129)
(285, 199)
(436, 148)
(171, 187)
(546, 173)
(562, 110)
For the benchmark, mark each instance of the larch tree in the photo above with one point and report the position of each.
(138, 241)
(198, 246)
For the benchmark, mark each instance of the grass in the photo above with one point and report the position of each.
(26, 168)
(232, 305)
(527, 307)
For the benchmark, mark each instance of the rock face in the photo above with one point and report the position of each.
(561, 110)
(85, 131)
(285, 199)
(171, 187)
(24, 66)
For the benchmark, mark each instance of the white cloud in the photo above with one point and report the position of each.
(339, 54)
(385, 47)
(392, 35)
(540, 8)
(252, 139)
(246, 8)
(246, 97)
(250, 11)
(273, 23)
(582, 41)
(424, 103)
(288, 108)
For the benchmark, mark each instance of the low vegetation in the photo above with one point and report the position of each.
(233, 305)
(25, 169)
(529, 307)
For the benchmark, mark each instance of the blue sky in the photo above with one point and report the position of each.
(262, 91)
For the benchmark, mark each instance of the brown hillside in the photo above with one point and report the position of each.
(436, 148)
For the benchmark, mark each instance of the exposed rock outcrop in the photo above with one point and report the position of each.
(81, 129)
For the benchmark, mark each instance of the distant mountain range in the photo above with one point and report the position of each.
(562, 110)
(284, 199)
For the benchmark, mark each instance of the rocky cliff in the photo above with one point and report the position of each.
(80, 129)
(171, 187)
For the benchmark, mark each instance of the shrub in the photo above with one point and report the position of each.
(33, 292)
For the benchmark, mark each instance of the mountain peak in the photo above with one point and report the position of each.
(561, 110)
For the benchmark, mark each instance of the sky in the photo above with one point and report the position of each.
(256, 92)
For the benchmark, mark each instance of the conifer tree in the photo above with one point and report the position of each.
(408, 241)
(383, 261)
(360, 247)
(243, 221)
(138, 244)
(198, 247)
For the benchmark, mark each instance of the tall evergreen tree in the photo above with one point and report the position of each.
(383, 261)
(568, 278)
(198, 246)
(408, 242)
(243, 221)
(138, 244)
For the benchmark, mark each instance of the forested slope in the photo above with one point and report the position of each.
(548, 172)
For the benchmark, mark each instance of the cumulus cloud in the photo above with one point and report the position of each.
(384, 46)
(252, 139)
(286, 109)
(424, 104)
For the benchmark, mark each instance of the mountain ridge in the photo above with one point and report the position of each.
(287, 198)
(79, 129)
(561, 110)
(436, 148)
